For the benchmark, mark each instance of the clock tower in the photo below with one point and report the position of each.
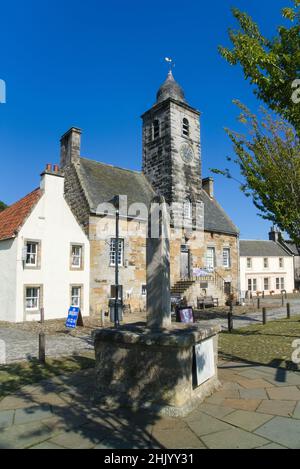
(171, 145)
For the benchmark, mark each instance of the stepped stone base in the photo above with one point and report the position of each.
(139, 368)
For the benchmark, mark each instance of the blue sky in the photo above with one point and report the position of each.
(98, 64)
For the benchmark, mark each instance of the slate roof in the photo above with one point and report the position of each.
(215, 218)
(101, 182)
(292, 248)
(261, 249)
(14, 217)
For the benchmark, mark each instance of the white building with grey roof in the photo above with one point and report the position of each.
(265, 267)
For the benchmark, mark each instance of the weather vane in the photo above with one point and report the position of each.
(170, 62)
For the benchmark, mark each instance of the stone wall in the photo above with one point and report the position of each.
(75, 196)
(132, 273)
(162, 163)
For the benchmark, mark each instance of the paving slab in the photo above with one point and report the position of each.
(277, 407)
(24, 436)
(81, 439)
(253, 374)
(253, 383)
(296, 414)
(176, 440)
(249, 421)
(217, 411)
(242, 404)
(14, 402)
(272, 446)
(288, 393)
(205, 424)
(46, 445)
(234, 439)
(6, 418)
(32, 414)
(111, 443)
(253, 394)
(282, 430)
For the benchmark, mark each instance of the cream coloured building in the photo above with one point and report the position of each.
(265, 266)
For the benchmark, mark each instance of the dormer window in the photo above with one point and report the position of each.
(156, 129)
(186, 127)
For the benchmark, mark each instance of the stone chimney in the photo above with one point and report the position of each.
(70, 147)
(275, 235)
(208, 186)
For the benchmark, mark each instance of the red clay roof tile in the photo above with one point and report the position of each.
(13, 218)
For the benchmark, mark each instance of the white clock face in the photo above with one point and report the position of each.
(186, 153)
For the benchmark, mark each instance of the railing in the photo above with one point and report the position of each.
(214, 277)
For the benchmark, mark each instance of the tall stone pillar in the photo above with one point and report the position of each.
(158, 266)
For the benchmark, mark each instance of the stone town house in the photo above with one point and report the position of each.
(171, 168)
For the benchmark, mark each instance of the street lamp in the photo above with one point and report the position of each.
(117, 247)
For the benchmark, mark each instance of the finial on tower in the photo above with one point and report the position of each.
(170, 62)
(170, 88)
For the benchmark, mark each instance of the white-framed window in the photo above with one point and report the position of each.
(249, 263)
(31, 254)
(112, 254)
(185, 127)
(187, 210)
(282, 283)
(76, 256)
(144, 290)
(226, 258)
(277, 283)
(210, 258)
(249, 284)
(281, 262)
(155, 129)
(254, 283)
(32, 298)
(266, 263)
(266, 284)
(76, 296)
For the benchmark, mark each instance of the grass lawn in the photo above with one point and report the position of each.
(269, 345)
(16, 375)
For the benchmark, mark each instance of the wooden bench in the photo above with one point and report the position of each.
(207, 301)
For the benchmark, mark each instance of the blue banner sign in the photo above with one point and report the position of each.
(73, 317)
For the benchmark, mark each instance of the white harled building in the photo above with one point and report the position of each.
(265, 266)
(44, 255)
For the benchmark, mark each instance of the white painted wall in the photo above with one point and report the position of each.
(272, 272)
(8, 272)
(53, 223)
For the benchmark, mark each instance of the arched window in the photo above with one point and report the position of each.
(156, 129)
(187, 210)
(186, 127)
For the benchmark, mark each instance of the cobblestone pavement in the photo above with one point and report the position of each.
(257, 407)
(21, 345)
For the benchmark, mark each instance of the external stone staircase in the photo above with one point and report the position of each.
(192, 288)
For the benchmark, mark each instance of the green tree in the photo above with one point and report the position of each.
(2, 206)
(268, 157)
(272, 65)
(268, 154)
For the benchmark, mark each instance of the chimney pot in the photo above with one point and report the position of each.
(48, 167)
(56, 168)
